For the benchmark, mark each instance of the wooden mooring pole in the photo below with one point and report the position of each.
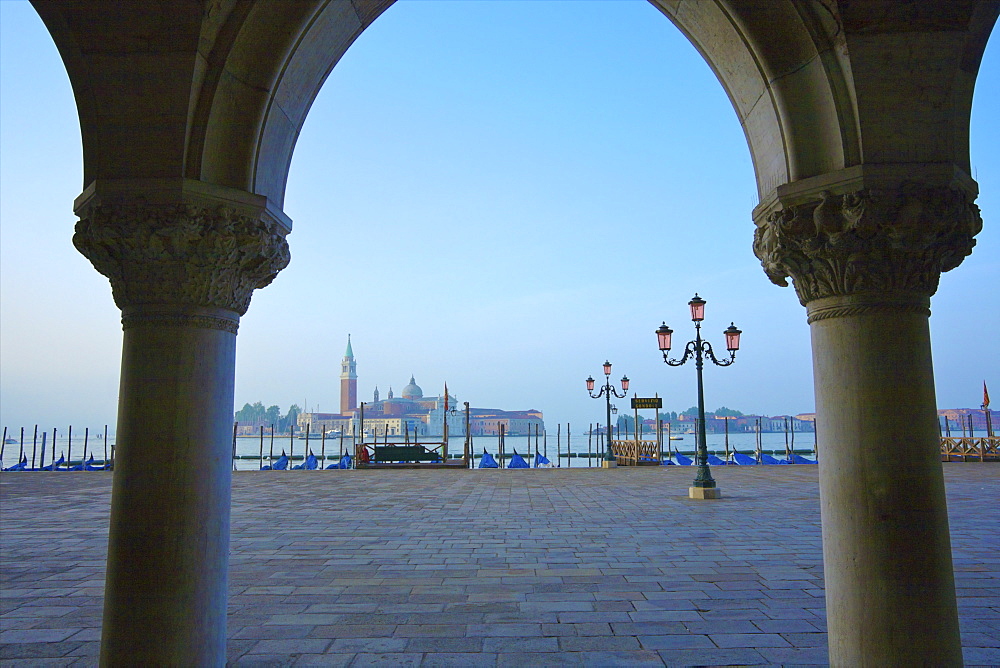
(590, 447)
(558, 444)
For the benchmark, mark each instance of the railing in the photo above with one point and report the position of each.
(631, 453)
(966, 448)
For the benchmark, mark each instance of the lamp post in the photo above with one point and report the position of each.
(607, 391)
(704, 485)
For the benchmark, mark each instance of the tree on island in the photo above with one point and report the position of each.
(256, 414)
(626, 424)
(292, 417)
(251, 414)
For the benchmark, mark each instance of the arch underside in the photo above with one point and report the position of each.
(218, 92)
(782, 92)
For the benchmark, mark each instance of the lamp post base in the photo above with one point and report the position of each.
(704, 493)
(609, 464)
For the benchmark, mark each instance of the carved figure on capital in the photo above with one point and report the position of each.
(871, 241)
(181, 254)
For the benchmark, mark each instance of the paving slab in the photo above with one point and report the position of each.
(538, 567)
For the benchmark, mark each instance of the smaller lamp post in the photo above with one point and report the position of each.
(704, 485)
(607, 391)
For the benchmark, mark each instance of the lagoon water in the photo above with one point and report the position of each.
(248, 447)
(64, 447)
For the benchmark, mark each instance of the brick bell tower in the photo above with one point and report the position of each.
(348, 381)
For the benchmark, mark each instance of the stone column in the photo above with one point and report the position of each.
(865, 263)
(182, 273)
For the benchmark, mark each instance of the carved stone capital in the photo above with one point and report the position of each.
(871, 241)
(181, 254)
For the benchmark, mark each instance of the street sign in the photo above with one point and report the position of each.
(647, 402)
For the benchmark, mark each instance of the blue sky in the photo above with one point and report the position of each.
(499, 195)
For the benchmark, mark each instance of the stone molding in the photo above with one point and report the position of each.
(133, 320)
(180, 254)
(846, 307)
(878, 241)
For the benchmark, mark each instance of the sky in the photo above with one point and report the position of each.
(499, 195)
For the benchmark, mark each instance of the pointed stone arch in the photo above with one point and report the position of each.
(228, 84)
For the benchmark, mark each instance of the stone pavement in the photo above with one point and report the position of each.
(477, 568)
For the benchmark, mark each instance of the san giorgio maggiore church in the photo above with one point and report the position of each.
(411, 412)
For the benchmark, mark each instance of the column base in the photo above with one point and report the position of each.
(605, 464)
(704, 493)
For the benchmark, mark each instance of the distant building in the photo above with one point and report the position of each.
(348, 381)
(411, 412)
(487, 422)
(687, 423)
(956, 421)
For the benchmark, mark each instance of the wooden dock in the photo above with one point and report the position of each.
(636, 452)
(970, 449)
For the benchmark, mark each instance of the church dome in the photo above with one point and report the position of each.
(412, 391)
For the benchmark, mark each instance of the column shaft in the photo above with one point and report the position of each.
(890, 592)
(183, 258)
(168, 549)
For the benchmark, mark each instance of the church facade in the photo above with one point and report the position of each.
(410, 413)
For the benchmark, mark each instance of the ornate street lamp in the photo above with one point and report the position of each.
(704, 485)
(607, 391)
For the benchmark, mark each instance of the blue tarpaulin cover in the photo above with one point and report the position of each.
(56, 465)
(280, 464)
(668, 462)
(541, 460)
(799, 459)
(344, 463)
(20, 466)
(310, 464)
(487, 461)
(93, 467)
(682, 460)
(517, 462)
(744, 460)
(768, 459)
(716, 461)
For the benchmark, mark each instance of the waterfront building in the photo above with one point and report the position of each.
(411, 412)
(487, 422)
(958, 420)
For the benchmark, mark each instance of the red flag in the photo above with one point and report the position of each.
(986, 396)
(446, 396)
